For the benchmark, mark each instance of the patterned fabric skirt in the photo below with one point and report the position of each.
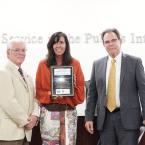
(58, 127)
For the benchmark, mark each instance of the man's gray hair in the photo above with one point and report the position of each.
(15, 40)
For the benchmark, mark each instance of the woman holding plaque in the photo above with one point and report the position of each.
(59, 89)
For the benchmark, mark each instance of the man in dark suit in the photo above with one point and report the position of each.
(119, 125)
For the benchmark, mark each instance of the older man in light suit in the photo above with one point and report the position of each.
(19, 110)
(120, 124)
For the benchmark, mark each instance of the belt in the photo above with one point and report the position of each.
(116, 110)
(57, 107)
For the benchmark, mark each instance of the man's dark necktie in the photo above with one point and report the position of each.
(21, 73)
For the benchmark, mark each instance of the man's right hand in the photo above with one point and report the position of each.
(32, 120)
(89, 127)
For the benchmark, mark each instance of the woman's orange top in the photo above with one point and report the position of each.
(43, 85)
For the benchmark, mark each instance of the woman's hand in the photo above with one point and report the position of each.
(57, 97)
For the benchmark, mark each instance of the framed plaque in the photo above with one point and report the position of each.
(62, 81)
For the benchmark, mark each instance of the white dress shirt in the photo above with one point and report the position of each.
(118, 70)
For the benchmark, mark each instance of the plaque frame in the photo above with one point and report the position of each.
(62, 81)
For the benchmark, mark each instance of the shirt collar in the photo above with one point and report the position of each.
(117, 58)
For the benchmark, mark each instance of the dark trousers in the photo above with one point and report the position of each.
(114, 133)
(16, 142)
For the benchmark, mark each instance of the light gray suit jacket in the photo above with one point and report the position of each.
(132, 92)
(17, 103)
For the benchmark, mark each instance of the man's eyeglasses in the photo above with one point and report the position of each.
(18, 50)
(112, 41)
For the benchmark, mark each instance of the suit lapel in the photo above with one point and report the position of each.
(24, 82)
(123, 68)
(27, 81)
(13, 69)
(104, 67)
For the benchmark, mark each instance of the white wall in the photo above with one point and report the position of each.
(81, 20)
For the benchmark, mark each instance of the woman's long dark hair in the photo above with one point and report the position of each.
(67, 58)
